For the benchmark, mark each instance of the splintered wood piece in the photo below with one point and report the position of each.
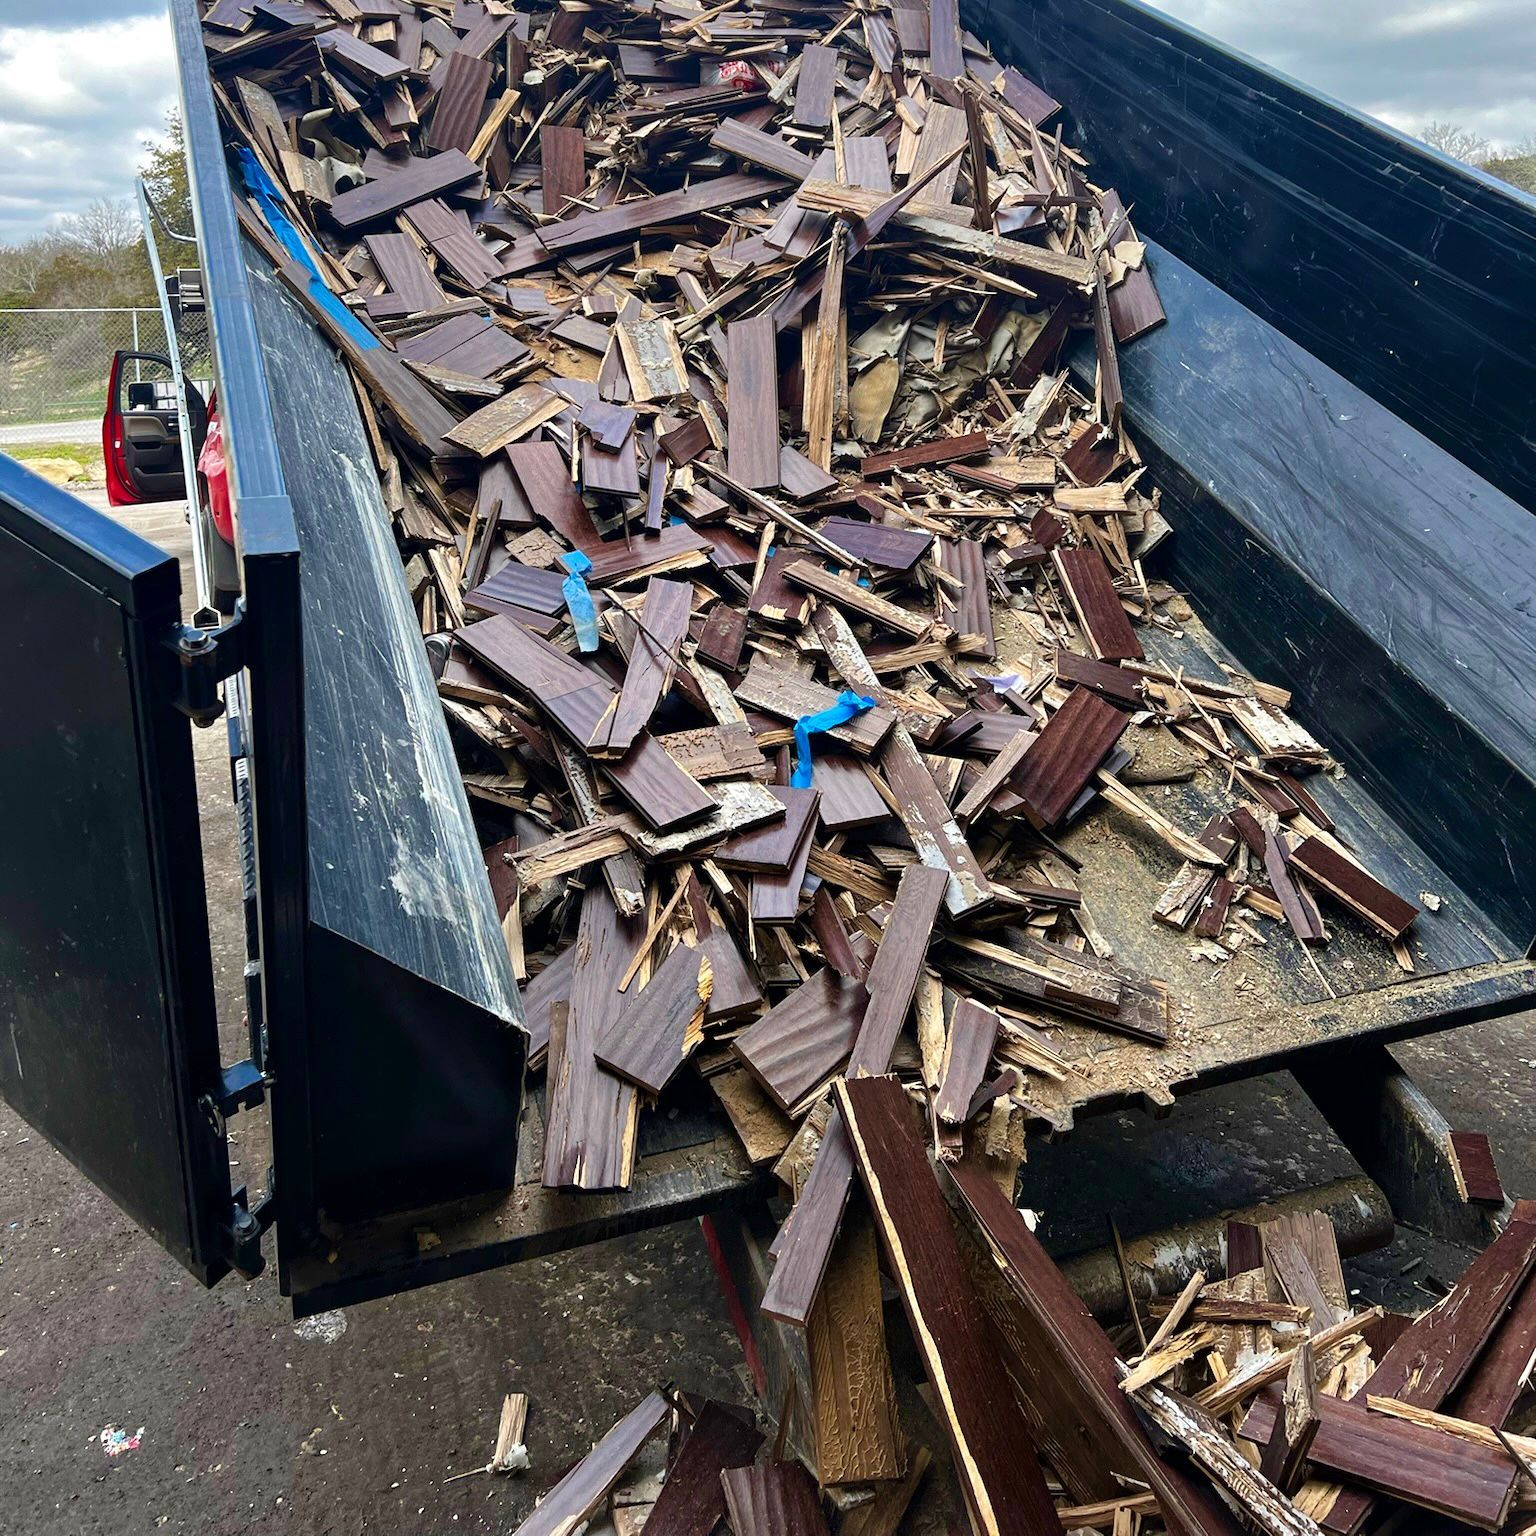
(1299, 912)
(776, 1500)
(772, 847)
(1284, 1259)
(675, 548)
(1493, 1386)
(1210, 1449)
(552, 985)
(1360, 892)
(1065, 1365)
(562, 159)
(503, 421)
(993, 1451)
(578, 1495)
(591, 1116)
(1111, 395)
(1061, 764)
(1106, 678)
(1432, 1355)
(801, 1043)
(662, 1025)
(884, 1514)
(752, 440)
(1096, 603)
(1420, 1466)
(624, 220)
(652, 356)
(1284, 1461)
(997, 773)
(776, 691)
(1134, 306)
(967, 1054)
(850, 596)
(692, 1500)
(652, 661)
(854, 1410)
(893, 975)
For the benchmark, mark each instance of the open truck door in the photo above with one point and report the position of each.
(141, 431)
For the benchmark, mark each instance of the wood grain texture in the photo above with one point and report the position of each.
(848, 799)
(628, 218)
(1430, 1358)
(768, 150)
(813, 88)
(1064, 1365)
(937, 450)
(692, 1500)
(460, 102)
(659, 1026)
(652, 661)
(893, 975)
(806, 1240)
(857, 1423)
(552, 985)
(1300, 913)
(1359, 891)
(752, 435)
(776, 1500)
(676, 547)
(405, 270)
(895, 549)
(1070, 749)
(1424, 1467)
(591, 1115)
(772, 847)
(969, 610)
(777, 691)
(775, 895)
(563, 167)
(967, 1053)
(796, 1048)
(420, 178)
(652, 783)
(546, 481)
(1490, 1390)
(993, 1450)
(579, 1493)
(1097, 605)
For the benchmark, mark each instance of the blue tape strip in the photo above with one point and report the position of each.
(849, 704)
(578, 600)
(259, 184)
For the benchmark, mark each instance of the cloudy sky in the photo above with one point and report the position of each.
(84, 82)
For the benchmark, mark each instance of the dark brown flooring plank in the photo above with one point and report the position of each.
(1064, 1364)
(1065, 756)
(545, 477)
(723, 636)
(782, 693)
(752, 429)
(1362, 893)
(777, 1500)
(893, 975)
(659, 1026)
(629, 218)
(848, 799)
(676, 546)
(405, 270)
(419, 179)
(1104, 677)
(946, 61)
(967, 1054)
(775, 894)
(805, 1242)
(1425, 1467)
(772, 847)
(1134, 306)
(936, 450)
(894, 549)
(652, 661)
(1477, 1175)
(665, 796)
(552, 985)
(755, 147)
(971, 616)
(813, 88)
(580, 1492)
(460, 103)
(993, 1451)
(590, 1114)
(525, 585)
(1430, 1357)
(1105, 626)
(563, 163)
(692, 1500)
(800, 1043)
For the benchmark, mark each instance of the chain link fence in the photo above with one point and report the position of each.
(55, 363)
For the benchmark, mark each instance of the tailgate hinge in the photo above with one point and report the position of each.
(207, 651)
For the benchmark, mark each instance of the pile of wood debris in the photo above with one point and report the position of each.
(787, 602)
(1261, 1402)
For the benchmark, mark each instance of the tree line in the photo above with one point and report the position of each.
(96, 259)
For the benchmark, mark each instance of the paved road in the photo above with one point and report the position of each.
(86, 431)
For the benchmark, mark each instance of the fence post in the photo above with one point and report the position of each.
(137, 365)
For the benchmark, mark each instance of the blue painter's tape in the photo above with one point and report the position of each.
(578, 600)
(849, 704)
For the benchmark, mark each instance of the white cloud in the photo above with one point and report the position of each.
(76, 107)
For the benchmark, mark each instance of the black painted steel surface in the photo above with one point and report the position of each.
(1336, 550)
(1412, 275)
(106, 990)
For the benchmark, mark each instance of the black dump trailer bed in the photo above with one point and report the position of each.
(1337, 415)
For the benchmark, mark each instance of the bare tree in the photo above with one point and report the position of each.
(25, 268)
(107, 229)
(1457, 142)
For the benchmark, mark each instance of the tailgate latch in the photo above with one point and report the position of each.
(207, 651)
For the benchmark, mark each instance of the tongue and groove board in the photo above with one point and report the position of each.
(993, 1451)
(752, 443)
